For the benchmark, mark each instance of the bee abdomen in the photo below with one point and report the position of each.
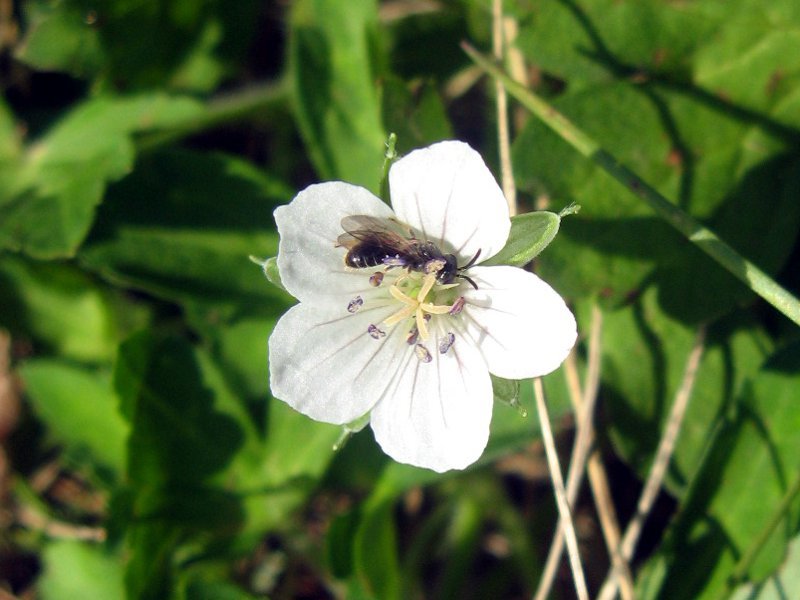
(367, 255)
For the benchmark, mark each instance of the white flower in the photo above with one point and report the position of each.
(399, 341)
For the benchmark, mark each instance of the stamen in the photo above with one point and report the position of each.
(427, 286)
(404, 298)
(375, 333)
(435, 309)
(412, 337)
(401, 314)
(355, 304)
(446, 343)
(422, 353)
(422, 325)
(376, 279)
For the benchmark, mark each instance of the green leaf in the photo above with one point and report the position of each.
(593, 41)
(48, 206)
(725, 164)
(754, 459)
(375, 552)
(79, 570)
(60, 37)
(186, 429)
(189, 45)
(784, 583)
(80, 407)
(175, 402)
(332, 54)
(183, 227)
(530, 234)
(197, 588)
(63, 309)
(206, 475)
(414, 112)
(644, 356)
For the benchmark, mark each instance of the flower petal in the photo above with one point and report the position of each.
(521, 325)
(325, 364)
(436, 415)
(447, 193)
(311, 266)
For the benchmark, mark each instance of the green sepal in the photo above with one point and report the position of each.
(530, 234)
(506, 391)
(270, 268)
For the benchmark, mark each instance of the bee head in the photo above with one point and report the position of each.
(449, 270)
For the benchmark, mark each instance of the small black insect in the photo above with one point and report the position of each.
(375, 242)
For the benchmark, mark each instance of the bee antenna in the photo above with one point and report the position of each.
(471, 281)
(471, 262)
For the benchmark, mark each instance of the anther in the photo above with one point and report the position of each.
(355, 304)
(422, 353)
(446, 343)
(412, 337)
(376, 279)
(457, 306)
(375, 333)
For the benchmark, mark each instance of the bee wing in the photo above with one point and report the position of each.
(364, 228)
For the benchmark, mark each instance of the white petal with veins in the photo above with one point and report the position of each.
(447, 193)
(436, 414)
(522, 326)
(325, 364)
(311, 266)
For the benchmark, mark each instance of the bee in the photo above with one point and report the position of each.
(376, 242)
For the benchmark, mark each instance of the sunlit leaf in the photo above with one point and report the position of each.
(332, 60)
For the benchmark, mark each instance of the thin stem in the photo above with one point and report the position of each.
(560, 493)
(389, 156)
(503, 136)
(583, 406)
(666, 447)
(705, 239)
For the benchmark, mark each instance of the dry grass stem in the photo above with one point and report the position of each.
(560, 492)
(666, 446)
(503, 134)
(583, 405)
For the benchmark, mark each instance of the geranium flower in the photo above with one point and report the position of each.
(409, 341)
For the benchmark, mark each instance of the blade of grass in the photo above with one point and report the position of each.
(705, 239)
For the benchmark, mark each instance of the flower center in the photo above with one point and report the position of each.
(414, 297)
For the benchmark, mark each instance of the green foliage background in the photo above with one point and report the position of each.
(143, 147)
